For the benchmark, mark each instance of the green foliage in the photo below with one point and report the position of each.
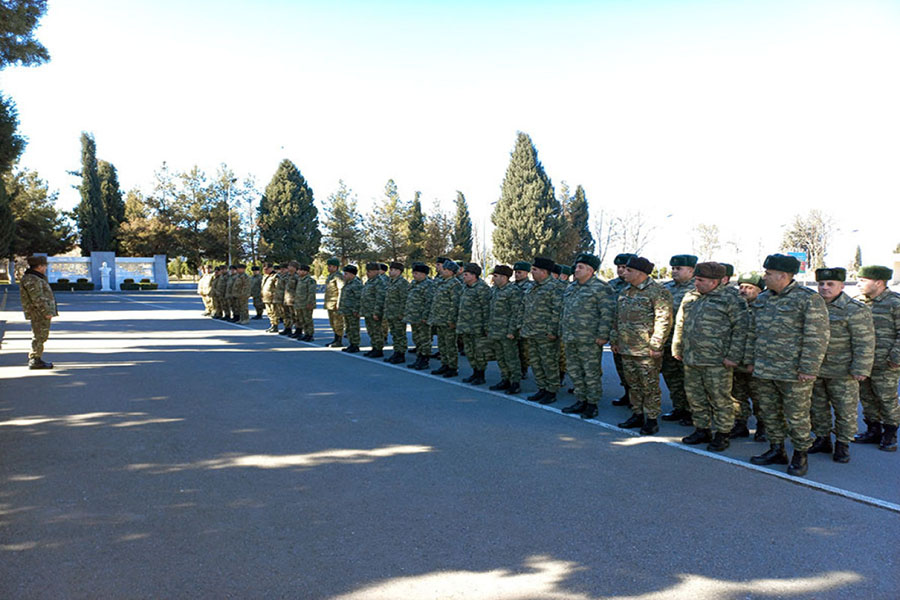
(18, 20)
(39, 226)
(461, 238)
(438, 229)
(527, 217)
(288, 218)
(388, 226)
(93, 225)
(575, 235)
(345, 235)
(11, 144)
(113, 203)
(416, 233)
(7, 224)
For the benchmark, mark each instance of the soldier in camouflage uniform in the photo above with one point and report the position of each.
(219, 283)
(256, 293)
(204, 289)
(521, 271)
(231, 312)
(290, 290)
(39, 306)
(472, 322)
(241, 293)
(743, 386)
(789, 337)
(418, 306)
(848, 361)
(394, 310)
(588, 306)
(333, 284)
(709, 338)
(878, 393)
(641, 325)
(270, 285)
(673, 370)
(372, 308)
(443, 316)
(304, 304)
(349, 307)
(618, 284)
(563, 275)
(503, 328)
(542, 306)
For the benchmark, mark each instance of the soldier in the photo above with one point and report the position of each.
(848, 361)
(290, 290)
(372, 308)
(220, 280)
(562, 275)
(729, 273)
(471, 325)
(540, 326)
(443, 316)
(204, 289)
(878, 393)
(673, 370)
(618, 284)
(789, 337)
(256, 293)
(418, 306)
(503, 328)
(394, 310)
(641, 325)
(281, 272)
(333, 284)
(39, 306)
(241, 293)
(521, 271)
(709, 338)
(231, 311)
(349, 307)
(588, 305)
(270, 284)
(304, 304)
(743, 386)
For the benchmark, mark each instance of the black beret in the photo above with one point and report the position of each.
(557, 268)
(782, 262)
(710, 270)
(254, 269)
(876, 272)
(473, 268)
(451, 265)
(589, 259)
(502, 270)
(753, 279)
(232, 266)
(372, 266)
(441, 259)
(639, 263)
(351, 269)
(382, 267)
(397, 265)
(729, 269)
(303, 267)
(421, 268)
(279, 267)
(541, 262)
(832, 274)
(622, 259)
(522, 265)
(683, 260)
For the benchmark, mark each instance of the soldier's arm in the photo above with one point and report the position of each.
(455, 296)
(894, 354)
(555, 311)
(678, 331)
(605, 309)
(614, 325)
(816, 333)
(740, 322)
(662, 323)
(862, 343)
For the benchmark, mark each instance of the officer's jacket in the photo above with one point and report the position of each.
(506, 311)
(305, 292)
(445, 305)
(395, 298)
(333, 285)
(37, 297)
(372, 304)
(541, 308)
(351, 295)
(643, 319)
(587, 311)
(418, 300)
(240, 288)
(270, 282)
(710, 328)
(851, 344)
(290, 287)
(474, 308)
(219, 284)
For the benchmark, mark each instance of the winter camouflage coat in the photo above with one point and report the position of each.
(886, 316)
(643, 319)
(270, 283)
(587, 311)
(37, 297)
(333, 285)
(711, 328)
(290, 288)
(372, 302)
(241, 286)
(305, 291)
(851, 344)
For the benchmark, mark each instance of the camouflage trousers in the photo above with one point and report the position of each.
(476, 350)
(840, 394)
(743, 388)
(708, 391)
(218, 306)
(242, 310)
(781, 401)
(617, 359)
(258, 304)
(40, 331)
(642, 375)
(377, 334)
(207, 304)
(397, 329)
(544, 357)
(288, 315)
(878, 395)
(303, 318)
(336, 320)
(233, 309)
(673, 373)
(562, 359)
(507, 353)
(274, 312)
(523, 354)
(351, 328)
(446, 339)
(421, 335)
(585, 360)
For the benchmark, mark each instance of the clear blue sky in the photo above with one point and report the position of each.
(734, 113)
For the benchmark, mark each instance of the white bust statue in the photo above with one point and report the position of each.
(104, 277)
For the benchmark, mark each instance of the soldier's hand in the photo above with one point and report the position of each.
(893, 365)
(614, 348)
(376, 318)
(656, 353)
(860, 377)
(551, 337)
(805, 377)
(451, 325)
(729, 363)
(677, 357)
(750, 368)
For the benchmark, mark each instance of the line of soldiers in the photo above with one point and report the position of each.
(226, 291)
(797, 354)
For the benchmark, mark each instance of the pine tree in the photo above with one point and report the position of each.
(113, 202)
(11, 144)
(93, 225)
(578, 223)
(438, 229)
(40, 226)
(19, 19)
(527, 217)
(416, 251)
(461, 238)
(288, 218)
(388, 226)
(345, 236)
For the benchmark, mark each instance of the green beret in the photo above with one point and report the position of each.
(876, 272)
(782, 262)
(683, 260)
(334, 261)
(729, 269)
(832, 274)
(621, 259)
(590, 260)
(753, 279)
(709, 270)
(566, 270)
(522, 265)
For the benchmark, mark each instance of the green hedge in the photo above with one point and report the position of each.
(83, 286)
(127, 286)
(148, 286)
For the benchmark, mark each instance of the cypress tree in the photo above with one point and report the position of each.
(92, 221)
(461, 238)
(288, 218)
(345, 236)
(527, 217)
(578, 223)
(416, 222)
(388, 227)
(113, 202)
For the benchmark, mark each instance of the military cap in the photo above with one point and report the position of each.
(473, 268)
(557, 269)
(294, 264)
(622, 259)
(441, 259)
(831, 274)
(782, 262)
(451, 265)
(382, 267)
(753, 279)
(589, 259)
(566, 270)
(876, 272)
(232, 266)
(502, 270)
(639, 263)
(333, 261)
(303, 267)
(710, 270)
(373, 266)
(729, 269)
(240, 266)
(683, 260)
(541, 262)
(278, 267)
(254, 268)
(351, 269)
(522, 265)
(398, 265)
(421, 268)
(36, 261)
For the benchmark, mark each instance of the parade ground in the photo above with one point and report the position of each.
(169, 455)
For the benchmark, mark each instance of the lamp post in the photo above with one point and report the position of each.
(228, 208)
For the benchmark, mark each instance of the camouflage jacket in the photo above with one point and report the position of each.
(219, 283)
(418, 300)
(886, 316)
(711, 328)
(269, 285)
(333, 284)
(395, 298)
(445, 304)
(789, 333)
(241, 286)
(474, 308)
(372, 301)
(523, 285)
(204, 286)
(305, 292)
(678, 291)
(541, 306)
(618, 284)
(255, 285)
(229, 285)
(505, 315)
(278, 298)
(351, 296)
(851, 345)
(587, 311)
(290, 288)
(642, 320)
(37, 297)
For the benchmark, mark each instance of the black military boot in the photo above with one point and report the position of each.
(337, 342)
(888, 438)
(285, 331)
(774, 456)
(841, 452)
(675, 414)
(536, 397)
(739, 430)
(379, 353)
(479, 378)
(413, 351)
(700, 436)
(258, 315)
(623, 401)
(760, 434)
(687, 420)
(422, 363)
(549, 398)
(575, 409)
(635, 420)
(451, 373)
(38, 363)
(272, 329)
(502, 385)
(590, 411)
(719, 443)
(513, 388)
(440, 370)
(471, 377)
(352, 349)
(799, 465)
(650, 427)
(822, 443)
(872, 434)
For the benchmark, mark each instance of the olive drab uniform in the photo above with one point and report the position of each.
(743, 384)
(542, 305)
(372, 308)
(587, 313)
(673, 370)
(39, 306)
(219, 285)
(523, 285)
(418, 306)
(240, 290)
(290, 290)
(504, 320)
(618, 284)
(230, 302)
(443, 316)
(472, 322)
(394, 311)
(304, 303)
(256, 293)
(333, 285)
(349, 307)
(272, 286)
(204, 289)
(878, 393)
